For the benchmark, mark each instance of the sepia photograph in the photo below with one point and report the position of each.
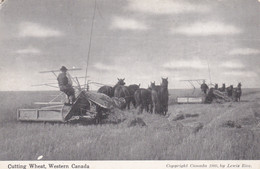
(129, 80)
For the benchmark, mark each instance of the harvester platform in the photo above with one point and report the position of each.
(81, 109)
(56, 113)
(190, 99)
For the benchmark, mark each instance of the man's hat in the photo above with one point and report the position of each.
(63, 68)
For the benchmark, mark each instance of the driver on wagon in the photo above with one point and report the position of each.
(65, 85)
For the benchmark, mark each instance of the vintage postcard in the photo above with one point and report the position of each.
(129, 84)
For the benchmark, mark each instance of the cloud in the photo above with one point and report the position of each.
(206, 29)
(232, 64)
(165, 7)
(104, 67)
(29, 50)
(244, 51)
(127, 24)
(29, 29)
(241, 73)
(195, 64)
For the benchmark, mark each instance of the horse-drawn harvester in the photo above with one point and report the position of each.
(83, 108)
(220, 95)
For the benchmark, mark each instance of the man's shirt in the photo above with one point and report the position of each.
(64, 79)
(204, 86)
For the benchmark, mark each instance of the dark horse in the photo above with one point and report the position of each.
(216, 86)
(122, 92)
(223, 88)
(230, 91)
(164, 95)
(143, 99)
(108, 90)
(132, 88)
(237, 92)
(160, 97)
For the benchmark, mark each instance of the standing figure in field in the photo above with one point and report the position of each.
(164, 96)
(65, 85)
(108, 90)
(156, 105)
(121, 91)
(143, 100)
(132, 88)
(204, 87)
(237, 92)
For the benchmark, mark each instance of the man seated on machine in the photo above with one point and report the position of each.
(65, 85)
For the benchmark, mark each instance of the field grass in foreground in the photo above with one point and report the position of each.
(228, 131)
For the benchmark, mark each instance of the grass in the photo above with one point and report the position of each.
(163, 138)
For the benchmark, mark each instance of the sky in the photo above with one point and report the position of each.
(139, 40)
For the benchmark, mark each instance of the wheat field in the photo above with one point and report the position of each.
(228, 131)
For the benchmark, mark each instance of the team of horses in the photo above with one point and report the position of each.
(232, 92)
(154, 99)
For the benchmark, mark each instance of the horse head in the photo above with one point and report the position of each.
(121, 81)
(216, 86)
(152, 85)
(164, 82)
